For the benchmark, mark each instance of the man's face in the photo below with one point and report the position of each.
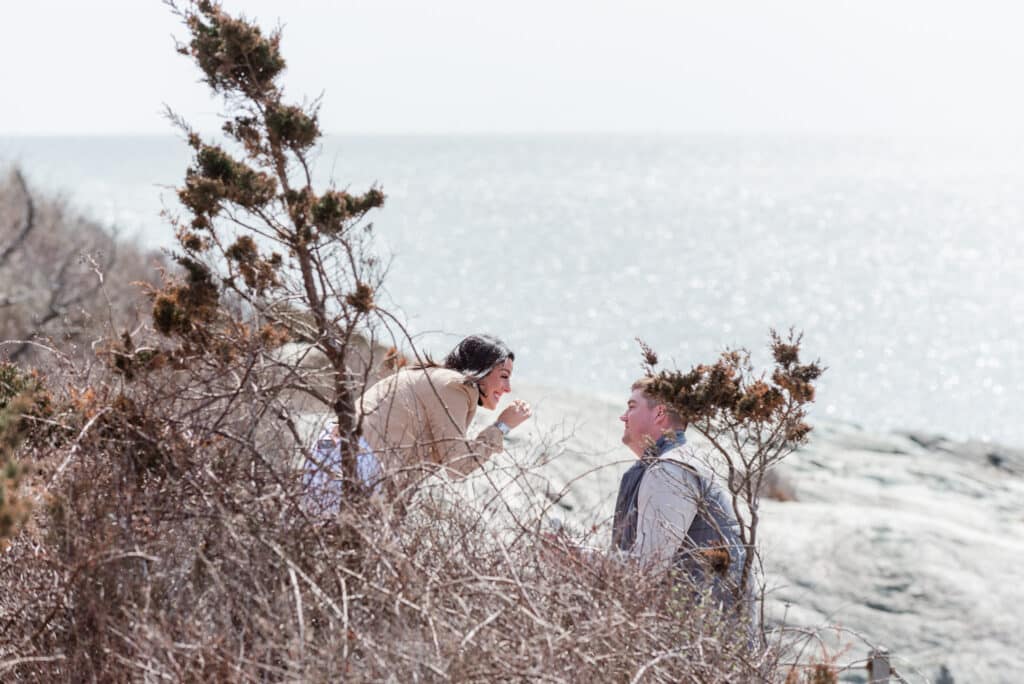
(640, 420)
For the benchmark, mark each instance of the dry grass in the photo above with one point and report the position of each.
(170, 541)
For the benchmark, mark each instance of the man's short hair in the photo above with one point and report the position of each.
(644, 385)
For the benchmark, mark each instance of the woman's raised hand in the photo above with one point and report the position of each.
(515, 413)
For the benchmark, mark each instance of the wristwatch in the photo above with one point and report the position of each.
(503, 427)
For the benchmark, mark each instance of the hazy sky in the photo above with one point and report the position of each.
(107, 66)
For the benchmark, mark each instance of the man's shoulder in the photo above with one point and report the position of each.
(679, 458)
(668, 470)
(670, 486)
(681, 464)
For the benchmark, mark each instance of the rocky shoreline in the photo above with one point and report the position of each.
(909, 541)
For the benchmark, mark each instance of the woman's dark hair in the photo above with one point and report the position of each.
(477, 355)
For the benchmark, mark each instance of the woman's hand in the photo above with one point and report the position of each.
(515, 413)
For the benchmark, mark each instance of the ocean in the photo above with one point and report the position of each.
(901, 260)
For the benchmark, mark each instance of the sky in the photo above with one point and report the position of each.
(108, 67)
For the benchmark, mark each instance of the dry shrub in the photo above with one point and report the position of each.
(63, 277)
(173, 540)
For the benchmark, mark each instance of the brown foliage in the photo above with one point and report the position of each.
(263, 246)
(232, 53)
(25, 406)
(752, 423)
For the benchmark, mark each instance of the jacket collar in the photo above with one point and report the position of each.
(668, 441)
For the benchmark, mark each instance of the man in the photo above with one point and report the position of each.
(671, 514)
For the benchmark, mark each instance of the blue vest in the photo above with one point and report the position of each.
(711, 554)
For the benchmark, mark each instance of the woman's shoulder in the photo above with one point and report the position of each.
(444, 376)
(446, 380)
(441, 387)
(424, 383)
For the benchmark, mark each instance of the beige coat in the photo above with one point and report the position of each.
(416, 420)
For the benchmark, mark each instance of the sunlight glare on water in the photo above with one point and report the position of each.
(901, 260)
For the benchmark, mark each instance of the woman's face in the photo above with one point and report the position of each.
(496, 383)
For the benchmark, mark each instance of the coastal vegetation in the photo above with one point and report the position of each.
(63, 278)
(152, 512)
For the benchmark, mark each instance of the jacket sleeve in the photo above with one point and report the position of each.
(666, 506)
(448, 420)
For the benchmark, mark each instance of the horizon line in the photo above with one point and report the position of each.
(625, 133)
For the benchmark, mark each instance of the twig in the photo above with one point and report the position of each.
(29, 220)
(10, 664)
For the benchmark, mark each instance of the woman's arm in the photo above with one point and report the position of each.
(448, 419)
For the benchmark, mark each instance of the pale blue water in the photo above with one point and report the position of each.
(902, 260)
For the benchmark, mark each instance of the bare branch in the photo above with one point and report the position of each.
(27, 222)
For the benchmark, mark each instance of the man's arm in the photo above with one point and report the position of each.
(666, 506)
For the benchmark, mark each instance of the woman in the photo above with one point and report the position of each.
(414, 421)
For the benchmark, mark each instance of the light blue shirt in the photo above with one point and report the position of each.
(322, 476)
